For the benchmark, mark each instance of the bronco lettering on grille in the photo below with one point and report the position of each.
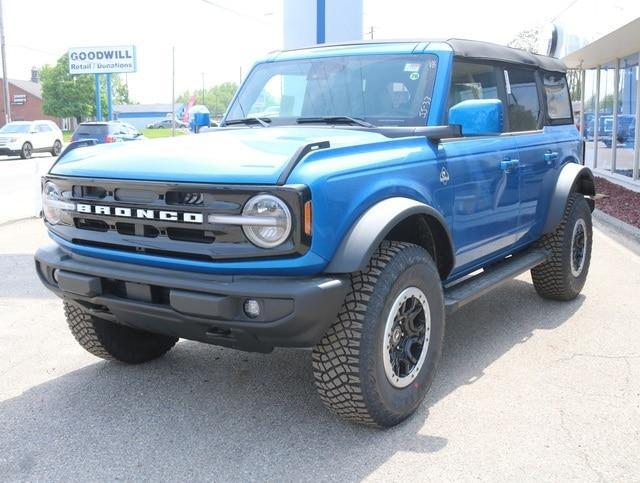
(143, 214)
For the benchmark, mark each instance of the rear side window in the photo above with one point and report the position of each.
(44, 128)
(556, 91)
(471, 80)
(523, 106)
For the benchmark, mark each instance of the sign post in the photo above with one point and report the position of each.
(119, 59)
(109, 99)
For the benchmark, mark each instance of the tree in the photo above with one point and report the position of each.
(66, 95)
(216, 98)
(528, 40)
(575, 87)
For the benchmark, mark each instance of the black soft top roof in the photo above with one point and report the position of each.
(488, 51)
(472, 49)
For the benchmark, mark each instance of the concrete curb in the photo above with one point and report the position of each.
(629, 232)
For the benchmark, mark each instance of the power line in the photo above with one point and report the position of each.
(235, 12)
(564, 10)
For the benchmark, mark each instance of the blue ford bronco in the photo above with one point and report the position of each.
(353, 197)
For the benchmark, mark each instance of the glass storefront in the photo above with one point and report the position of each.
(611, 116)
(627, 116)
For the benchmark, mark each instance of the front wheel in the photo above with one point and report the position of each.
(376, 362)
(56, 149)
(563, 276)
(26, 151)
(112, 341)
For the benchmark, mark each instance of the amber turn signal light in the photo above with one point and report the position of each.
(308, 218)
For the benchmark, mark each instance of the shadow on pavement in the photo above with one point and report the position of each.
(203, 412)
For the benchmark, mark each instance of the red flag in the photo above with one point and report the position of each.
(185, 116)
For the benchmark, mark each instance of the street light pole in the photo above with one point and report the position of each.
(5, 81)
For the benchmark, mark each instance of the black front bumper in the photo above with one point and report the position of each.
(295, 312)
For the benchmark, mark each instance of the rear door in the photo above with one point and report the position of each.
(537, 152)
(481, 170)
(45, 135)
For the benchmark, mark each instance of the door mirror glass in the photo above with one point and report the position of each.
(478, 117)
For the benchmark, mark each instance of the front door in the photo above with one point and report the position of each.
(483, 172)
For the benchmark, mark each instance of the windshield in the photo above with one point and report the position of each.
(385, 90)
(14, 128)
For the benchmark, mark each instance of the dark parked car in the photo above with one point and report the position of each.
(166, 123)
(106, 132)
(625, 130)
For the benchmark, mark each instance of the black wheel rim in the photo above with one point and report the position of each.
(406, 337)
(578, 247)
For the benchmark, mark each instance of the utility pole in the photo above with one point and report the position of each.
(173, 91)
(5, 80)
(370, 32)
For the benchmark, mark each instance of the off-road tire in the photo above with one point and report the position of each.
(115, 342)
(57, 148)
(26, 151)
(348, 362)
(554, 279)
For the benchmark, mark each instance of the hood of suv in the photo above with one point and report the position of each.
(246, 155)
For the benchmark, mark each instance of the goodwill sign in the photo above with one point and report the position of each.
(102, 60)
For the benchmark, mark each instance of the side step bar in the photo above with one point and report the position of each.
(470, 289)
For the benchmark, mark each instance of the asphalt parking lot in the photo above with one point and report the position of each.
(527, 390)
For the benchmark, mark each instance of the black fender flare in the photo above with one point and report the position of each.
(370, 229)
(572, 177)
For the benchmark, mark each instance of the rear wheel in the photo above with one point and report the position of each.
(376, 362)
(56, 149)
(112, 341)
(26, 151)
(563, 276)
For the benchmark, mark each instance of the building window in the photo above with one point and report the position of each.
(627, 116)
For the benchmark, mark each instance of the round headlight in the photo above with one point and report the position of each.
(53, 204)
(50, 193)
(268, 221)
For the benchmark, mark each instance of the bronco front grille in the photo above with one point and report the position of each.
(171, 219)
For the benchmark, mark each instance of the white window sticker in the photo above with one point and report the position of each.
(412, 67)
(506, 82)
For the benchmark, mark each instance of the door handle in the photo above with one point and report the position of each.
(550, 156)
(507, 164)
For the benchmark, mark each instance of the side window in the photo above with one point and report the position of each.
(43, 128)
(556, 91)
(523, 105)
(473, 81)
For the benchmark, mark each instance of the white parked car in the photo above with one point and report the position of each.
(27, 137)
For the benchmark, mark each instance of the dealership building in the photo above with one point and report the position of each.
(610, 98)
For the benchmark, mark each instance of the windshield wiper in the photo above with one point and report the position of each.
(263, 121)
(335, 120)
